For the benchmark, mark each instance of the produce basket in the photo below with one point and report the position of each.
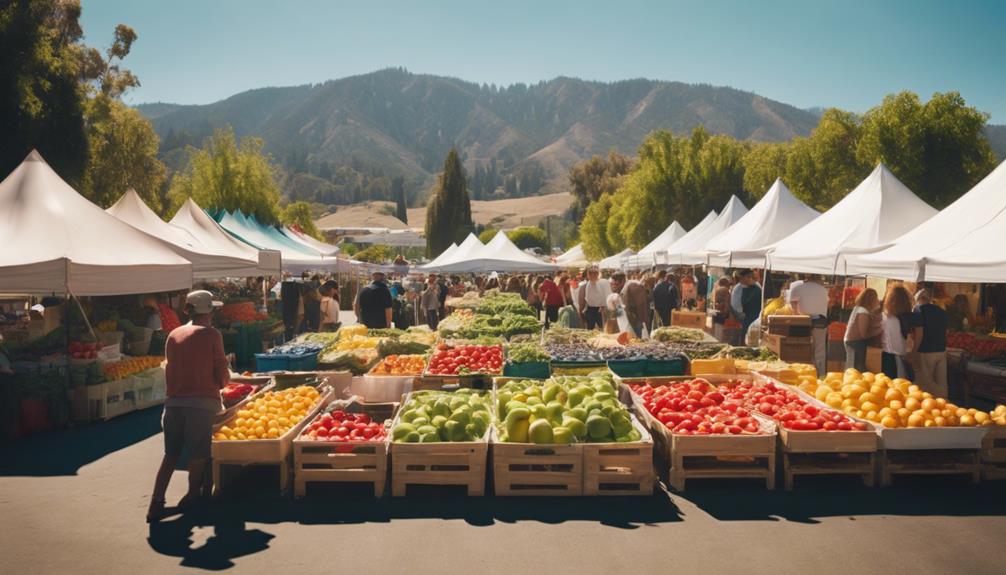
(527, 370)
(439, 464)
(576, 367)
(666, 367)
(635, 367)
(266, 362)
(528, 469)
(932, 437)
(619, 468)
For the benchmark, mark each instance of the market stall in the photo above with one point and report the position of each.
(573, 258)
(652, 253)
(191, 218)
(776, 215)
(615, 262)
(697, 239)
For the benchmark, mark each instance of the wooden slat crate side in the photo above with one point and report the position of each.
(828, 441)
(930, 462)
(684, 467)
(995, 471)
(265, 450)
(862, 464)
(994, 445)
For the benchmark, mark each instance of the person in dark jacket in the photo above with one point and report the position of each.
(750, 299)
(373, 305)
(665, 297)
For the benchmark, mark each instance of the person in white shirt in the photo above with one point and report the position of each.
(808, 297)
(592, 299)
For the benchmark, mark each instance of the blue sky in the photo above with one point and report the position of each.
(806, 53)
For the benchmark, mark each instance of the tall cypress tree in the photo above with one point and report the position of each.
(398, 192)
(449, 212)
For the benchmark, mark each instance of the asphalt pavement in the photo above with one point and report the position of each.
(75, 500)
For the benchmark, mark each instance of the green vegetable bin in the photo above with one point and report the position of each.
(527, 370)
(628, 367)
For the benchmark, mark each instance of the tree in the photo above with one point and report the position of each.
(301, 216)
(591, 179)
(486, 235)
(526, 237)
(41, 95)
(938, 149)
(401, 205)
(229, 176)
(593, 228)
(449, 211)
(122, 143)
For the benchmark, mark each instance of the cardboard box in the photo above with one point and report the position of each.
(694, 319)
(873, 359)
(791, 349)
(790, 325)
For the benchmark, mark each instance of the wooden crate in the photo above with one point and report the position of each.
(790, 325)
(791, 349)
(862, 464)
(262, 451)
(530, 469)
(619, 468)
(930, 462)
(342, 462)
(231, 412)
(442, 464)
(713, 456)
(994, 445)
(692, 319)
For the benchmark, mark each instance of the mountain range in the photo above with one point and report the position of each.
(343, 141)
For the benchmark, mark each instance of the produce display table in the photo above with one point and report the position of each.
(242, 453)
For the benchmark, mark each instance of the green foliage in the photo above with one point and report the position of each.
(526, 237)
(680, 176)
(938, 149)
(590, 179)
(487, 235)
(230, 176)
(301, 215)
(401, 203)
(41, 94)
(593, 228)
(375, 254)
(123, 146)
(449, 212)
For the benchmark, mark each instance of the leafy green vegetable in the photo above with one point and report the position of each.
(526, 353)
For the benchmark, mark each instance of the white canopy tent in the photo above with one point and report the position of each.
(777, 215)
(294, 260)
(573, 258)
(206, 262)
(444, 255)
(499, 255)
(191, 218)
(322, 247)
(56, 241)
(964, 242)
(615, 262)
(867, 219)
(651, 254)
(678, 252)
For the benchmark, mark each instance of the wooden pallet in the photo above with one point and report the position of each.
(529, 469)
(460, 463)
(832, 463)
(339, 462)
(619, 468)
(930, 462)
(994, 471)
(271, 452)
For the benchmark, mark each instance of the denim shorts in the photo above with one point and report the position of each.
(188, 427)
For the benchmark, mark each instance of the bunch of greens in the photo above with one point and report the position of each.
(526, 353)
(678, 334)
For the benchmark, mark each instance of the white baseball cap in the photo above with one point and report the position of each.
(202, 301)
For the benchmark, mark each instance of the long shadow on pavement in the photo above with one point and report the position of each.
(64, 451)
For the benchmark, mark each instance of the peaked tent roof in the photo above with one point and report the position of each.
(678, 253)
(441, 258)
(467, 250)
(650, 254)
(775, 216)
(499, 255)
(615, 262)
(56, 241)
(294, 260)
(963, 242)
(867, 219)
(322, 248)
(573, 257)
(201, 226)
(206, 262)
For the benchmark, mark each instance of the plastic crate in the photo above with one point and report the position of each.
(266, 362)
(528, 370)
(628, 367)
(656, 367)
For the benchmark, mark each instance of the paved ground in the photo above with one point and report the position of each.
(74, 501)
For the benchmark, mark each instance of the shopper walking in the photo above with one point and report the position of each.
(551, 296)
(429, 302)
(750, 299)
(930, 333)
(634, 300)
(329, 309)
(593, 296)
(864, 326)
(665, 297)
(897, 320)
(373, 304)
(196, 371)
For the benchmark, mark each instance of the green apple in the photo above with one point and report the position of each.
(540, 432)
(598, 427)
(517, 430)
(563, 435)
(577, 427)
